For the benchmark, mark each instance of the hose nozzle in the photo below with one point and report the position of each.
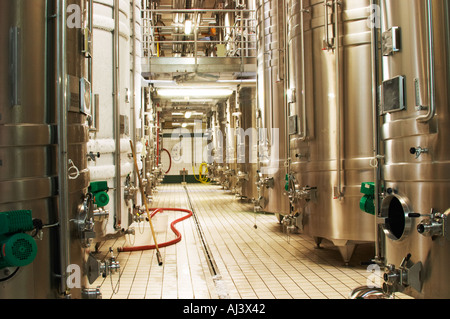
(158, 256)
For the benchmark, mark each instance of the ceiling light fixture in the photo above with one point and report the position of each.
(187, 27)
(194, 93)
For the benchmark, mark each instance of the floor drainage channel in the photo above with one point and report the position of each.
(220, 285)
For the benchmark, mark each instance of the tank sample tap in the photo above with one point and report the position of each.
(418, 151)
(408, 274)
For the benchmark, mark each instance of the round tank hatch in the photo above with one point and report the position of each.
(395, 210)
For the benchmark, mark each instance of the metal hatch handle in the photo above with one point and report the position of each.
(431, 86)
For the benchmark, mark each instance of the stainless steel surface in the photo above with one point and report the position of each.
(270, 86)
(246, 144)
(74, 124)
(230, 164)
(417, 181)
(41, 131)
(332, 147)
(27, 135)
(219, 143)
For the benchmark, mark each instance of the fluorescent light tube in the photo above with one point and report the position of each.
(194, 93)
(187, 27)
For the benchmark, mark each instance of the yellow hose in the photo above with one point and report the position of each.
(200, 178)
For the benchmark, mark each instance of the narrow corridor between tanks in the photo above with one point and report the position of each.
(253, 263)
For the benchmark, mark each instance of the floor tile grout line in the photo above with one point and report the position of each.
(321, 269)
(238, 245)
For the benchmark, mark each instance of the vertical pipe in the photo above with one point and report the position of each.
(133, 78)
(287, 155)
(339, 193)
(62, 109)
(375, 135)
(116, 80)
(91, 30)
(327, 44)
(302, 43)
(157, 139)
(431, 84)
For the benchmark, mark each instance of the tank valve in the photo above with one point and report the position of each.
(92, 156)
(242, 176)
(130, 190)
(418, 151)
(407, 275)
(295, 192)
(92, 210)
(110, 266)
(267, 182)
(290, 223)
(435, 225)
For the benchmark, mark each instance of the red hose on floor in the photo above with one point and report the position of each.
(172, 226)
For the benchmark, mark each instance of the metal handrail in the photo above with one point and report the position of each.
(193, 10)
(243, 38)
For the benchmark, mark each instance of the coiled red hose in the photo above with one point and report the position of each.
(172, 226)
(170, 160)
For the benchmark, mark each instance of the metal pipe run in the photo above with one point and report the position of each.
(376, 132)
(62, 109)
(431, 59)
(212, 11)
(339, 193)
(116, 115)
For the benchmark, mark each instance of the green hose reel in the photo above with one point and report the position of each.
(17, 249)
(99, 191)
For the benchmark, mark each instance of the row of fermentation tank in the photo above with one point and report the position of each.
(342, 137)
(349, 122)
(72, 99)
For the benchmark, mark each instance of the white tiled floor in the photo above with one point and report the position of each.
(253, 263)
